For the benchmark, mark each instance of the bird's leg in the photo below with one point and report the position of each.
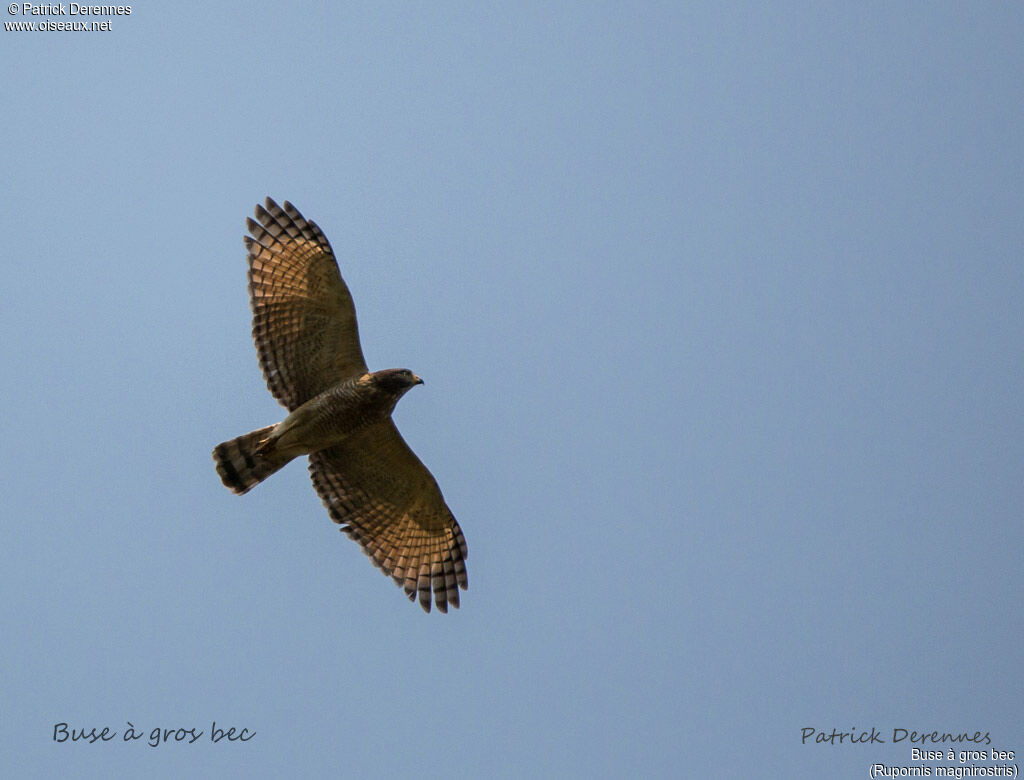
(266, 446)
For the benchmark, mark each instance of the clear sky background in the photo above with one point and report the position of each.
(719, 308)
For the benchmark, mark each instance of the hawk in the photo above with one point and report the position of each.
(372, 483)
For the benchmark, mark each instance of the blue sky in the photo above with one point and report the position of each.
(719, 312)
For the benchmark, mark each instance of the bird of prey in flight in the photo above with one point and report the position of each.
(372, 483)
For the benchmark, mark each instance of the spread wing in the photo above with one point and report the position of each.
(303, 317)
(387, 500)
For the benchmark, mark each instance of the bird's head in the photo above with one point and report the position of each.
(396, 380)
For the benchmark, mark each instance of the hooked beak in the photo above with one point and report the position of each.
(418, 381)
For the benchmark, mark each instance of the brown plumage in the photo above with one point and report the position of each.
(373, 485)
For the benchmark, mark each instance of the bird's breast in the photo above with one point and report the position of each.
(327, 419)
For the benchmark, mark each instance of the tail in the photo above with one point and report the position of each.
(242, 463)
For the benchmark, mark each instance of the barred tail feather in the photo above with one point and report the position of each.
(241, 466)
